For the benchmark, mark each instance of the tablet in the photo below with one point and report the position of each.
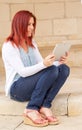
(60, 49)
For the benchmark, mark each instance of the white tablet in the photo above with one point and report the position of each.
(60, 49)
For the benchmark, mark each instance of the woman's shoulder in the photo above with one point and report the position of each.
(8, 45)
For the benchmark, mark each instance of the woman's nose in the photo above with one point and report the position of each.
(32, 27)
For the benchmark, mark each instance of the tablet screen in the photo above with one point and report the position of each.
(60, 49)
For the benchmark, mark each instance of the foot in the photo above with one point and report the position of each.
(33, 117)
(47, 113)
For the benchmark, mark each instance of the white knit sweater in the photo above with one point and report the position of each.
(13, 64)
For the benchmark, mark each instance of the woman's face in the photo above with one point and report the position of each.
(30, 27)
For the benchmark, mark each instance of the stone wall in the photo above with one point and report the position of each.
(57, 20)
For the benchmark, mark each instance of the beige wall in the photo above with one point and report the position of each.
(57, 20)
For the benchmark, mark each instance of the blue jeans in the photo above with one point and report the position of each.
(41, 88)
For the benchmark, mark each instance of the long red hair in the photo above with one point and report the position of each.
(19, 28)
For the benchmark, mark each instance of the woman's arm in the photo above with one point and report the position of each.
(12, 58)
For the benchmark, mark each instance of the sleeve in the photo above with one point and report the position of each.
(12, 57)
(56, 63)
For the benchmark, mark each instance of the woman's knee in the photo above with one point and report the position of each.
(53, 71)
(65, 70)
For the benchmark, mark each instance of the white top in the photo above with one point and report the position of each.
(13, 64)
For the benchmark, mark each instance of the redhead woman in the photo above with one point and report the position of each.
(29, 77)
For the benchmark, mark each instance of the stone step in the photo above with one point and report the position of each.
(64, 104)
(67, 102)
(74, 81)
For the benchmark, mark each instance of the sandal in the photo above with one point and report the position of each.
(52, 120)
(33, 118)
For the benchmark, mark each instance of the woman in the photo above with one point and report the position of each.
(29, 77)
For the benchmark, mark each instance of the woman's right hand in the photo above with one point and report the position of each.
(48, 61)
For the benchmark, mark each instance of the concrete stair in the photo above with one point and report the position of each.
(67, 102)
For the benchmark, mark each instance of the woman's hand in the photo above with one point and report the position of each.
(63, 59)
(48, 61)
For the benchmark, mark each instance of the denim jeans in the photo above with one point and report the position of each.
(41, 88)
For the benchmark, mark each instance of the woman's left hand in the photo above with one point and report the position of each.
(63, 59)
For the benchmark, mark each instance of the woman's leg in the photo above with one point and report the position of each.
(45, 109)
(22, 89)
(43, 85)
(57, 84)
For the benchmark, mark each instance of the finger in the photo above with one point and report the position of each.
(50, 56)
(66, 54)
(63, 58)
